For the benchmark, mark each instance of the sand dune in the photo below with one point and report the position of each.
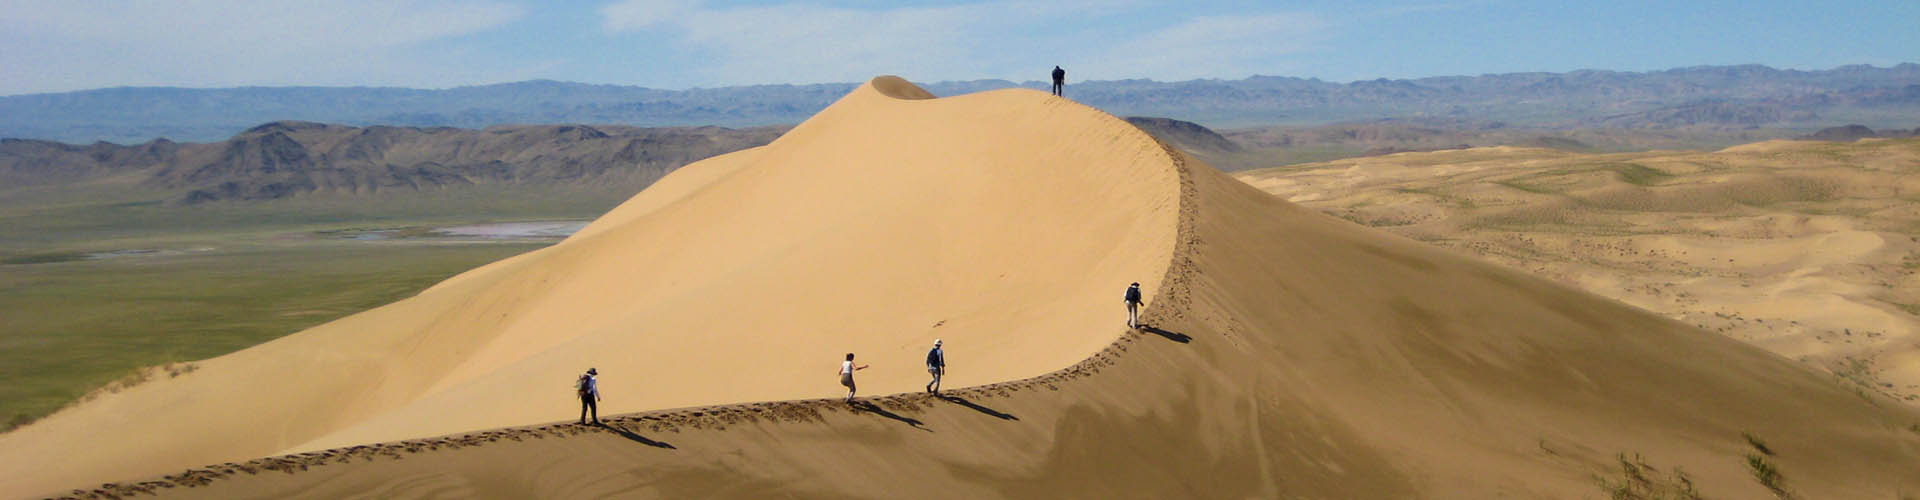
(1294, 354)
(1804, 248)
(745, 278)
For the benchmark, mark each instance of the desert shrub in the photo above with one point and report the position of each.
(1768, 476)
(1636, 480)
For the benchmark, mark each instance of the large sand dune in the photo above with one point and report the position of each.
(883, 223)
(1293, 354)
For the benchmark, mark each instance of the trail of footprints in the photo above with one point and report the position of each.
(656, 422)
(1170, 300)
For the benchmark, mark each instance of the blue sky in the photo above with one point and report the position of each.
(60, 45)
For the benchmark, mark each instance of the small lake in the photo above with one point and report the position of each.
(528, 230)
(541, 229)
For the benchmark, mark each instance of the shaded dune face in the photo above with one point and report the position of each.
(1006, 223)
(1290, 354)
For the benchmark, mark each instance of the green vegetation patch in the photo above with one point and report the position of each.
(1637, 174)
(71, 328)
(42, 258)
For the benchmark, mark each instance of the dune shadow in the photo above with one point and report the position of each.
(1173, 336)
(623, 432)
(982, 409)
(860, 406)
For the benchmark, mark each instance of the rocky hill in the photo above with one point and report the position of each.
(1855, 132)
(284, 159)
(1706, 96)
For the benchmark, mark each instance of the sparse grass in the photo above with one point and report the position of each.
(1756, 443)
(1913, 309)
(1768, 476)
(42, 258)
(1526, 187)
(1637, 480)
(1637, 174)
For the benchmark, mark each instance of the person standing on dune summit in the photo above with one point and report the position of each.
(589, 388)
(1133, 306)
(846, 375)
(1059, 81)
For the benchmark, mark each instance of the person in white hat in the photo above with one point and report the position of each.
(936, 365)
(589, 388)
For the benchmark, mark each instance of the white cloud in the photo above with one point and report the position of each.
(58, 45)
(635, 14)
(1018, 39)
(1219, 46)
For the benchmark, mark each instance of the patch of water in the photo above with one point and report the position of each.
(504, 230)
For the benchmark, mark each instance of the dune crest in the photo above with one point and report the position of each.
(1007, 223)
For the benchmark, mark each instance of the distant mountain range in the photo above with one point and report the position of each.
(1719, 97)
(283, 159)
(286, 159)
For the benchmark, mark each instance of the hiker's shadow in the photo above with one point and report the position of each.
(1173, 336)
(860, 406)
(623, 432)
(982, 409)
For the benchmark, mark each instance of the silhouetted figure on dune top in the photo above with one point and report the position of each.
(1059, 81)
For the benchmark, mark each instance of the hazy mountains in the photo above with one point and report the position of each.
(283, 159)
(1721, 97)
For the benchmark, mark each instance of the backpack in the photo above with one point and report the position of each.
(580, 384)
(934, 358)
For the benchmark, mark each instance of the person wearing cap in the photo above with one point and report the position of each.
(846, 375)
(589, 389)
(1133, 306)
(936, 365)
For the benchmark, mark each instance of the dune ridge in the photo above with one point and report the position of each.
(1290, 354)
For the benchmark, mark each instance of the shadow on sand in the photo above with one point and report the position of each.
(623, 432)
(982, 409)
(1173, 336)
(860, 406)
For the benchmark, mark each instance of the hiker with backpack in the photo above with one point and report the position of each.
(1059, 81)
(937, 366)
(846, 375)
(1133, 306)
(588, 387)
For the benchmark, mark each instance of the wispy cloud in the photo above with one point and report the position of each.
(65, 44)
(1009, 39)
(1220, 46)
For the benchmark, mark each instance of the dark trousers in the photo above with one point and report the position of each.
(1059, 88)
(586, 404)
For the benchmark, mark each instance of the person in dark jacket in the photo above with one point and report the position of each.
(1133, 306)
(589, 389)
(936, 366)
(1059, 81)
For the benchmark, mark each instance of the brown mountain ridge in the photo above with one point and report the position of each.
(287, 158)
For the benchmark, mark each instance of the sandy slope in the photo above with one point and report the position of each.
(1007, 223)
(1807, 249)
(1295, 355)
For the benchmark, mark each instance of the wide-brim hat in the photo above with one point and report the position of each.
(591, 371)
